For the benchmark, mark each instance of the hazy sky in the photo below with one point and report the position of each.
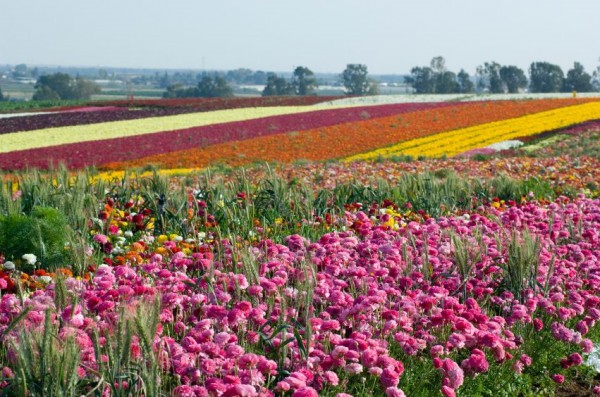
(388, 36)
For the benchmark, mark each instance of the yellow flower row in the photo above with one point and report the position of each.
(118, 129)
(454, 142)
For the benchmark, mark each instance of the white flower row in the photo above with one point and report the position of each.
(408, 98)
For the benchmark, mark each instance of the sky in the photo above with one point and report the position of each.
(389, 36)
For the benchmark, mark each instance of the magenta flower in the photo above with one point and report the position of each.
(305, 392)
(389, 378)
(394, 392)
(558, 378)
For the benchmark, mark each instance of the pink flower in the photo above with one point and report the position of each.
(100, 238)
(526, 360)
(241, 391)
(389, 378)
(339, 352)
(448, 391)
(558, 378)
(576, 359)
(353, 369)
(586, 345)
(454, 375)
(331, 378)
(184, 391)
(476, 363)
(305, 392)
(394, 392)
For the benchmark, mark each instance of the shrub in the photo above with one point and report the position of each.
(42, 233)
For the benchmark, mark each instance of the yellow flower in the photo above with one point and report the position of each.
(454, 142)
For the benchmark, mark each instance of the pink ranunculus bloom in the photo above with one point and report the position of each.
(241, 390)
(394, 392)
(476, 363)
(526, 360)
(339, 352)
(518, 367)
(305, 392)
(331, 378)
(453, 372)
(184, 391)
(576, 359)
(558, 378)
(389, 378)
(353, 369)
(100, 238)
(448, 391)
(586, 345)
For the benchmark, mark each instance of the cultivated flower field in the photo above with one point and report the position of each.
(415, 261)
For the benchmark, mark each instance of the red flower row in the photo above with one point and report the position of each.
(84, 154)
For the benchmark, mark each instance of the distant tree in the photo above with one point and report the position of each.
(63, 86)
(277, 86)
(84, 89)
(444, 80)
(208, 87)
(445, 83)
(513, 78)
(488, 78)
(214, 87)
(465, 85)
(259, 77)
(438, 64)
(578, 79)
(596, 78)
(179, 91)
(164, 81)
(355, 79)
(239, 76)
(20, 71)
(421, 79)
(545, 77)
(1, 95)
(304, 81)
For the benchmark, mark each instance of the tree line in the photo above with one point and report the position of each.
(492, 77)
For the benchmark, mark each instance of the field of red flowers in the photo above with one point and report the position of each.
(466, 276)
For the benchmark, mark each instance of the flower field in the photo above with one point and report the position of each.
(176, 133)
(475, 275)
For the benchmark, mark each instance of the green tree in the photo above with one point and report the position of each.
(277, 86)
(356, 81)
(216, 87)
(578, 79)
(513, 78)
(545, 77)
(444, 80)
(21, 71)
(1, 95)
(488, 78)
(596, 78)
(304, 81)
(63, 86)
(445, 83)
(465, 85)
(421, 79)
(179, 91)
